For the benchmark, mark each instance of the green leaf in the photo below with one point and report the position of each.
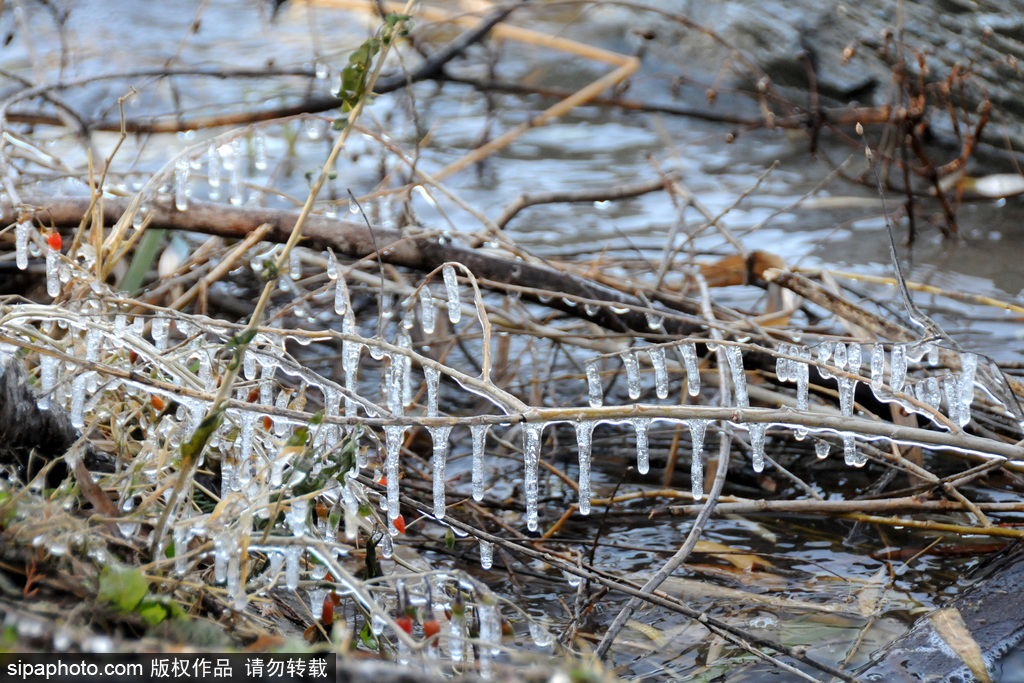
(317, 418)
(299, 438)
(449, 539)
(123, 587)
(158, 608)
(365, 510)
(366, 635)
(191, 449)
(169, 551)
(373, 569)
(340, 123)
(240, 339)
(392, 18)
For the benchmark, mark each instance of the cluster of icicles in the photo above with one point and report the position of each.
(256, 465)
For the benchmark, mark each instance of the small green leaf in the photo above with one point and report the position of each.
(366, 635)
(193, 448)
(123, 587)
(317, 418)
(169, 551)
(158, 608)
(449, 539)
(299, 438)
(239, 339)
(365, 510)
(340, 123)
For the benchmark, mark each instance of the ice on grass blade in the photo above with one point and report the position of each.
(451, 286)
(824, 352)
(851, 456)
(292, 558)
(486, 554)
(697, 431)
(433, 379)
(898, 368)
(965, 387)
(52, 272)
(439, 436)
(877, 369)
(22, 236)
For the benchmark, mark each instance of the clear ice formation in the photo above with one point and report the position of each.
(531, 461)
(632, 374)
(451, 286)
(657, 354)
(479, 439)
(697, 431)
(640, 426)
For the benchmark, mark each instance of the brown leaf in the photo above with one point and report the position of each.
(949, 624)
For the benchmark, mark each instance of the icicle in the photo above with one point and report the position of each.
(213, 172)
(697, 431)
(52, 272)
(235, 179)
(426, 309)
(640, 425)
(654, 321)
(689, 353)
(965, 387)
(159, 330)
(295, 265)
(22, 235)
(78, 400)
(932, 393)
(839, 356)
(594, 389)
(350, 351)
(739, 378)
(898, 372)
(847, 389)
(433, 377)
(439, 435)
(802, 381)
(784, 366)
(259, 150)
(854, 358)
(757, 430)
(47, 378)
(877, 368)
(456, 634)
(850, 454)
(531, 460)
(451, 286)
(821, 448)
(393, 437)
(933, 355)
(297, 516)
(486, 554)
(952, 393)
(181, 536)
(292, 557)
(657, 354)
(246, 432)
(824, 352)
(182, 171)
(632, 374)
(280, 423)
(479, 438)
(341, 303)
(584, 444)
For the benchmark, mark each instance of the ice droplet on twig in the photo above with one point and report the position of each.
(688, 351)
(213, 172)
(757, 430)
(657, 354)
(739, 378)
(531, 460)
(479, 438)
(584, 444)
(451, 286)
(851, 456)
(595, 392)
(824, 353)
(697, 431)
(821, 448)
(898, 368)
(439, 436)
(965, 387)
(632, 374)
(640, 425)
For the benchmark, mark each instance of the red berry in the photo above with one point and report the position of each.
(431, 628)
(404, 623)
(400, 524)
(327, 616)
(54, 240)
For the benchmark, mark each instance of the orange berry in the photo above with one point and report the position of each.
(156, 402)
(400, 524)
(54, 240)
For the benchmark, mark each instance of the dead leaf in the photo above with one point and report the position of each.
(741, 560)
(949, 624)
